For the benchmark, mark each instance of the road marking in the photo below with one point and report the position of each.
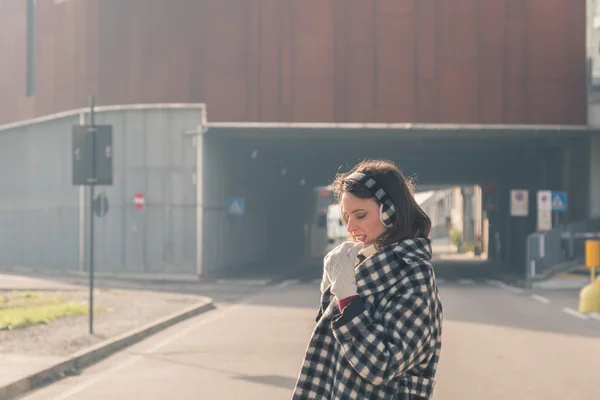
(316, 281)
(541, 299)
(504, 286)
(574, 313)
(512, 289)
(289, 282)
(466, 281)
(440, 281)
(245, 282)
(77, 389)
(595, 316)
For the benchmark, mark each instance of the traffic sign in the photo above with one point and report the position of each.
(544, 221)
(544, 200)
(139, 201)
(92, 154)
(236, 206)
(544, 210)
(101, 205)
(519, 203)
(559, 201)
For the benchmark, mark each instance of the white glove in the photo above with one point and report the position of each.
(339, 269)
(325, 282)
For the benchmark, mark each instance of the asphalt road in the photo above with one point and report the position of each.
(500, 342)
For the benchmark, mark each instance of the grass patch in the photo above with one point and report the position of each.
(18, 299)
(23, 309)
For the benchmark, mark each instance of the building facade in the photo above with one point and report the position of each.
(593, 58)
(44, 218)
(430, 61)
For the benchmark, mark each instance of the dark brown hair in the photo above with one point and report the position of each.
(410, 221)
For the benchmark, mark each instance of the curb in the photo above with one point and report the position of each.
(98, 352)
(142, 277)
(556, 271)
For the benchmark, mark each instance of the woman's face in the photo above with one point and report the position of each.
(362, 218)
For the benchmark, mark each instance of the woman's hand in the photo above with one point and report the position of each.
(339, 269)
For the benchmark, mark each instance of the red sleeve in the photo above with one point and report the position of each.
(344, 302)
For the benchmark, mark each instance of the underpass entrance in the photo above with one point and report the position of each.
(276, 169)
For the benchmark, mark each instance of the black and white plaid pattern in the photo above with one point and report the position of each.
(387, 208)
(386, 344)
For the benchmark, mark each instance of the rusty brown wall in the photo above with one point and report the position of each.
(434, 61)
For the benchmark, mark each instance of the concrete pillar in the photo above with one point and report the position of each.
(579, 180)
(485, 237)
(468, 220)
(594, 177)
(199, 181)
(575, 180)
(559, 219)
(594, 164)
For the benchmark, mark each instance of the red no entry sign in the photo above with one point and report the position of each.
(139, 200)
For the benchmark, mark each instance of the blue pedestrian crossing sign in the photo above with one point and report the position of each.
(236, 206)
(559, 201)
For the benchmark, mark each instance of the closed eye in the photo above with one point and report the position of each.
(356, 213)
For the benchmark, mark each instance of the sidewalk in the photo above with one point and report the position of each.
(16, 282)
(20, 373)
(562, 281)
(14, 367)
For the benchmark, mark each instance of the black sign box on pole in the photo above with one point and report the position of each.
(83, 157)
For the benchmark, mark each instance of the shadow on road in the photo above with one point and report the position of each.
(270, 380)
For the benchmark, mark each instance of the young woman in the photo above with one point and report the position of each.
(378, 331)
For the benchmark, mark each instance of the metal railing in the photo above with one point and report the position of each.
(559, 249)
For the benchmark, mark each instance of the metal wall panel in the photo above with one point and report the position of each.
(492, 59)
(516, 50)
(395, 82)
(432, 61)
(156, 158)
(39, 207)
(312, 51)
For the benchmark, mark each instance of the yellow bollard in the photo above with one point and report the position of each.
(589, 296)
(592, 253)
(589, 299)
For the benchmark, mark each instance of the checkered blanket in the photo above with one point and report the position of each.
(386, 344)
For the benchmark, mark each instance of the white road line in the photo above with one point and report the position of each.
(316, 281)
(466, 281)
(440, 281)
(289, 282)
(541, 299)
(595, 316)
(512, 289)
(574, 313)
(504, 286)
(245, 282)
